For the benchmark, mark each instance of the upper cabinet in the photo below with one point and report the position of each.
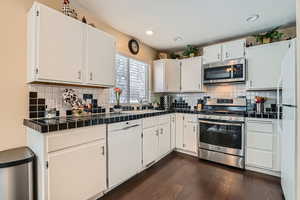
(178, 75)
(64, 50)
(191, 74)
(264, 65)
(212, 53)
(166, 75)
(100, 54)
(225, 51)
(234, 49)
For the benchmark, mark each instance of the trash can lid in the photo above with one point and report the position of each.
(17, 156)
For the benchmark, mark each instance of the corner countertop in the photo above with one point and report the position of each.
(46, 125)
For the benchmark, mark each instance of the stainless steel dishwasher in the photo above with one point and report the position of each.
(16, 174)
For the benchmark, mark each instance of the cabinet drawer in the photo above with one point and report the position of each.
(165, 119)
(260, 126)
(72, 137)
(125, 124)
(263, 141)
(258, 158)
(150, 122)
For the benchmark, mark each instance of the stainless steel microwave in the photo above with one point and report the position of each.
(225, 72)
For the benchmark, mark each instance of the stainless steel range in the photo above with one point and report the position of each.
(221, 132)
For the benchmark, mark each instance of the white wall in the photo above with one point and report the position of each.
(13, 88)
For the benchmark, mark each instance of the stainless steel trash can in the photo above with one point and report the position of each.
(16, 174)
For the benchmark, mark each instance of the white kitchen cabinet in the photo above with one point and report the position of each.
(190, 137)
(99, 58)
(179, 130)
(166, 75)
(173, 131)
(150, 144)
(156, 138)
(234, 49)
(264, 65)
(66, 51)
(212, 53)
(77, 173)
(55, 44)
(262, 146)
(187, 133)
(164, 140)
(224, 51)
(191, 74)
(71, 164)
(124, 151)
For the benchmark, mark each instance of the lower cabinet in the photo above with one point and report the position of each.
(190, 136)
(187, 133)
(150, 145)
(77, 173)
(71, 164)
(173, 131)
(156, 140)
(262, 146)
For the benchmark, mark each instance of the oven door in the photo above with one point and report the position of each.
(225, 137)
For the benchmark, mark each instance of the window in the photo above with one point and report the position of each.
(132, 78)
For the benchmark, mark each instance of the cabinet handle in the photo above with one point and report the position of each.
(183, 145)
(79, 75)
(91, 76)
(161, 131)
(103, 150)
(227, 54)
(157, 132)
(194, 129)
(218, 56)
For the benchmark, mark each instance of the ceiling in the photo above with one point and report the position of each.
(198, 22)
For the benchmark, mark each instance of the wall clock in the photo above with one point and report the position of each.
(134, 46)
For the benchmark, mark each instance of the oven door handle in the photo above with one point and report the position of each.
(220, 123)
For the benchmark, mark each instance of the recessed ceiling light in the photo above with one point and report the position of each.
(149, 32)
(178, 38)
(252, 18)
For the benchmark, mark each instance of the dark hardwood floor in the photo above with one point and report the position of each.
(181, 177)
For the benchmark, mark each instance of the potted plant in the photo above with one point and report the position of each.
(190, 51)
(268, 37)
(118, 92)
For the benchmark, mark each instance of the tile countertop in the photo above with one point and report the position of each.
(45, 125)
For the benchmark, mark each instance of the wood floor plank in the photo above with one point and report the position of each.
(181, 177)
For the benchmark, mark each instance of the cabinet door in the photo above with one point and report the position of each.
(190, 137)
(212, 53)
(164, 139)
(150, 145)
(159, 76)
(99, 57)
(262, 60)
(179, 131)
(59, 47)
(191, 72)
(234, 49)
(173, 132)
(77, 173)
(172, 75)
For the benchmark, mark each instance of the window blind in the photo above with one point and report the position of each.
(131, 77)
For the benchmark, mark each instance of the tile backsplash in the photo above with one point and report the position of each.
(227, 91)
(52, 94)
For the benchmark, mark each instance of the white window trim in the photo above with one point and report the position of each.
(147, 84)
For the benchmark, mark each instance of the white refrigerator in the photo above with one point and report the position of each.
(288, 125)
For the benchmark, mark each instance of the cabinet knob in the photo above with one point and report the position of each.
(91, 76)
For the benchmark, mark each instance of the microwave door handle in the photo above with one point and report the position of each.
(220, 123)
